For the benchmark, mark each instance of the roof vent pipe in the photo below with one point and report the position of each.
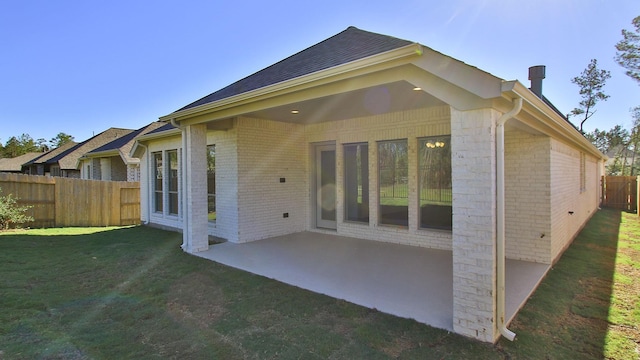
(536, 75)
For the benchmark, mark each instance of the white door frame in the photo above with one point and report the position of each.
(324, 203)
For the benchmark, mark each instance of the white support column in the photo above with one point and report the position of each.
(194, 187)
(474, 223)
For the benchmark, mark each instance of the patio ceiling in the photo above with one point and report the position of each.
(385, 98)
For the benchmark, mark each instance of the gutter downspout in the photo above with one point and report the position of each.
(183, 181)
(500, 205)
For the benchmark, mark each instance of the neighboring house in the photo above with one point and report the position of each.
(370, 136)
(40, 165)
(14, 164)
(112, 161)
(619, 158)
(67, 162)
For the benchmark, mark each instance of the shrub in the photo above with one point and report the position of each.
(10, 213)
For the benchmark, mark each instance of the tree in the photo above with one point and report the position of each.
(628, 54)
(41, 145)
(634, 140)
(599, 139)
(60, 140)
(12, 148)
(11, 214)
(27, 144)
(591, 81)
(617, 136)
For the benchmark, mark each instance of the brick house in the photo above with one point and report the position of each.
(112, 161)
(373, 137)
(41, 165)
(64, 161)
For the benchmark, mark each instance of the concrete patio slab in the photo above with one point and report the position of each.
(405, 281)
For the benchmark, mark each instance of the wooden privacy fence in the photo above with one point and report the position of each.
(61, 202)
(620, 192)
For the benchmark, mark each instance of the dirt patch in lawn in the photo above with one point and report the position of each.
(196, 298)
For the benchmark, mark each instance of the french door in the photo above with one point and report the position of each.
(325, 184)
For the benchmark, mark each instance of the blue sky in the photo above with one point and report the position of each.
(82, 66)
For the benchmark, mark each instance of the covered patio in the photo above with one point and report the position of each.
(406, 281)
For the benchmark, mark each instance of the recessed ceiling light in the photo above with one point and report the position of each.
(295, 111)
(417, 88)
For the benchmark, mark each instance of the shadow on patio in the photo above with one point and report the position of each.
(405, 281)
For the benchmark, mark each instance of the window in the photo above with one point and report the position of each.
(157, 183)
(356, 182)
(393, 174)
(172, 155)
(211, 182)
(434, 177)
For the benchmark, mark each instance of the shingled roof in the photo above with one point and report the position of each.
(123, 144)
(52, 153)
(69, 158)
(15, 164)
(347, 46)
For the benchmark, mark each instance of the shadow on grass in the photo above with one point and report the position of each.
(567, 316)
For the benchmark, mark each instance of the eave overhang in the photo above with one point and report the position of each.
(137, 150)
(541, 117)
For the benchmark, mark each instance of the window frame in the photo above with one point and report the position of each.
(400, 221)
(361, 211)
(158, 194)
(211, 215)
(439, 213)
(173, 195)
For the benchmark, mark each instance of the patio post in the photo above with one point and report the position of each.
(474, 223)
(194, 187)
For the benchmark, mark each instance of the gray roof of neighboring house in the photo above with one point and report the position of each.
(124, 144)
(15, 163)
(69, 158)
(51, 153)
(347, 46)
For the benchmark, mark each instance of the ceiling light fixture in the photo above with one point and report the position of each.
(417, 88)
(295, 111)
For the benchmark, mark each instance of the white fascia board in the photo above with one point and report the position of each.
(146, 138)
(309, 80)
(159, 135)
(105, 153)
(460, 74)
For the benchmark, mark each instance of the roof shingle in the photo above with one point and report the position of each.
(347, 46)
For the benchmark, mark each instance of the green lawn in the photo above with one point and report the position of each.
(132, 293)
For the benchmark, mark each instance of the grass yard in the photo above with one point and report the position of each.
(132, 293)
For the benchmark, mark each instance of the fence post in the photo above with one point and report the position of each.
(602, 191)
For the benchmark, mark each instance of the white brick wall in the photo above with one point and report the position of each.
(474, 222)
(527, 196)
(226, 225)
(133, 172)
(567, 197)
(268, 151)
